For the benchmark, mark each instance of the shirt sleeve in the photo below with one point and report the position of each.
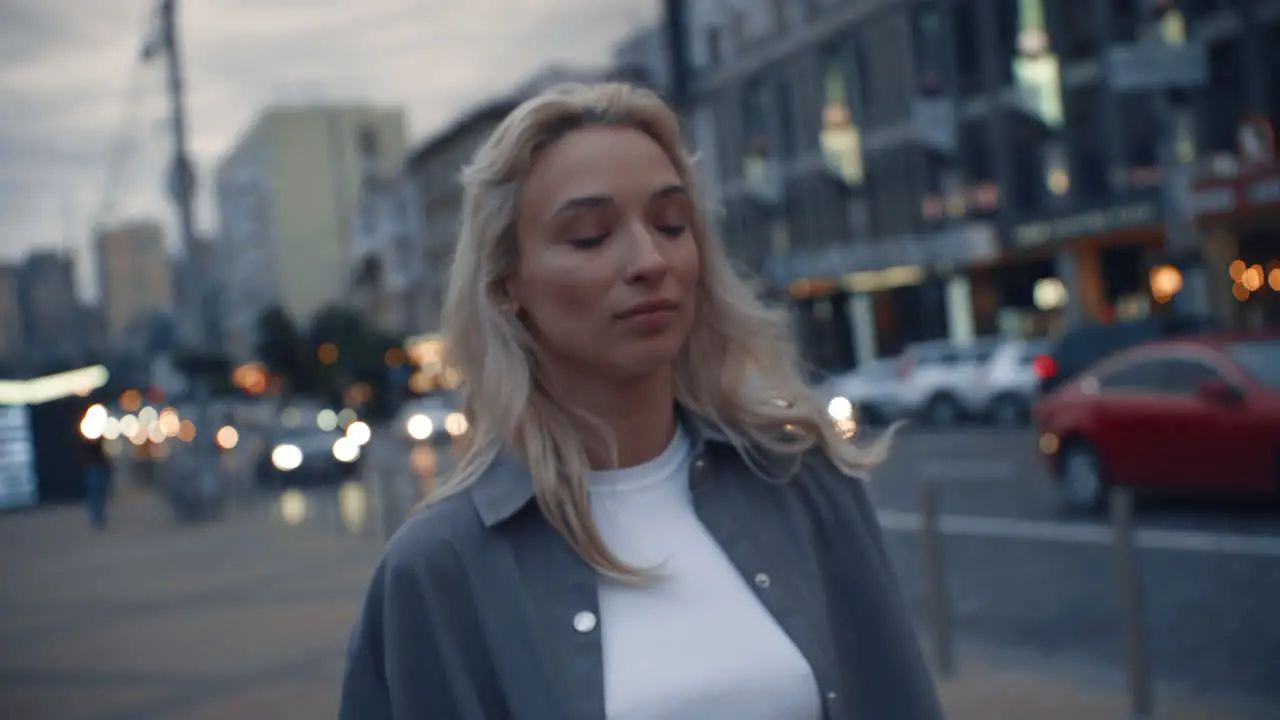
(366, 694)
(416, 651)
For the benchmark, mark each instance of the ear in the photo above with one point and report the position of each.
(509, 295)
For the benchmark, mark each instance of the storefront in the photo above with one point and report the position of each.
(1239, 213)
(852, 304)
(1081, 268)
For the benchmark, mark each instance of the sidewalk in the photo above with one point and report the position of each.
(244, 619)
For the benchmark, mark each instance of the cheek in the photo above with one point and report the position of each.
(565, 296)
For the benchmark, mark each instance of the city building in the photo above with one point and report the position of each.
(385, 263)
(135, 275)
(900, 170)
(10, 317)
(432, 170)
(51, 313)
(207, 259)
(287, 192)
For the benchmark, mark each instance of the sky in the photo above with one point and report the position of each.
(83, 133)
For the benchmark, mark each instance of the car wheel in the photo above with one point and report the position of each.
(1082, 484)
(942, 411)
(1008, 411)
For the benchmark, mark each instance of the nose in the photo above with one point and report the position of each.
(647, 263)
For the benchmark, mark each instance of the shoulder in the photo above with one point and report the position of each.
(429, 547)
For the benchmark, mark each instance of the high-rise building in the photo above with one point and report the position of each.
(10, 316)
(287, 192)
(135, 276)
(51, 313)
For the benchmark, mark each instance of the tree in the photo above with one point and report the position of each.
(280, 347)
(349, 350)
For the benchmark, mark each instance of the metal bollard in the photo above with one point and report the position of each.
(937, 598)
(1137, 662)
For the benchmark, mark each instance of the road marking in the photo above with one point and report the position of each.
(968, 469)
(1191, 541)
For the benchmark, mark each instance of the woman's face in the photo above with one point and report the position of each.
(608, 262)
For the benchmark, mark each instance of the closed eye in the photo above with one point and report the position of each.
(671, 230)
(586, 243)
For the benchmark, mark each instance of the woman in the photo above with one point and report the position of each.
(653, 517)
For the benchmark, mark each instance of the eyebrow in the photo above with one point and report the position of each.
(597, 201)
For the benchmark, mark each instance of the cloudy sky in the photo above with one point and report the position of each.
(82, 132)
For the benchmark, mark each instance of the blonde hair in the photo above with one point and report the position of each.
(738, 370)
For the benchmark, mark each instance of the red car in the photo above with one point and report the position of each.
(1192, 413)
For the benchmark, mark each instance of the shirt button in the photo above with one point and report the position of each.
(699, 464)
(584, 622)
(832, 697)
(762, 580)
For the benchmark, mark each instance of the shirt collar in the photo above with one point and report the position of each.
(506, 487)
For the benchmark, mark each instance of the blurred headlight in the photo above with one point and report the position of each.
(840, 409)
(286, 457)
(346, 450)
(455, 423)
(419, 427)
(359, 432)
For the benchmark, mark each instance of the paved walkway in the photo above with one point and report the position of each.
(247, 619)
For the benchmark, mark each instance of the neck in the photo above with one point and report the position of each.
(640, 413)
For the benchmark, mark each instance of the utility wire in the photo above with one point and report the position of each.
(123, 146)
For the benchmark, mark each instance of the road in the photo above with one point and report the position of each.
(247, 617)
(1028, 579)
(1024, 574)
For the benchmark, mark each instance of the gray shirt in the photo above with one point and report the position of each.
(480, 611)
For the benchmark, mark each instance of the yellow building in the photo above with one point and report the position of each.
(286, 195)
(135, 276)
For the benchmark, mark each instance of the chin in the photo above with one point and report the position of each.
(645, 359)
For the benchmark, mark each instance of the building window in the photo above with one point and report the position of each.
(779, 8)
(1077, 36)
(1124, 20)
(785, 105)
(863, 93)
(1084, 118)
(1009, 21)
(1224, 99)
(1142, 133)
(839, 136)
(930, 46)
(738, 29)
(755, 125)
(713, 46)
(1272, 40)
(1036, 71)
(1028, 163)
(964, 35)
(976, 152)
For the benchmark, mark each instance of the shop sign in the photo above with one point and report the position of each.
(959, 245)
(1092, 222)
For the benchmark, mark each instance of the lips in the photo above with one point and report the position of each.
(647, 307)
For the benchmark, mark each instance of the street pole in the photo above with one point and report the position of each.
(1181, 236)
(182, 177)
(206, 481)
(1165, 65)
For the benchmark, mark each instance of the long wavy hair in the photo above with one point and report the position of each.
(738, 369)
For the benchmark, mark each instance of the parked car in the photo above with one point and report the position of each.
(1003, 393)
(869, 394)
(1198, 412)
(937, 378)
(1081, 347)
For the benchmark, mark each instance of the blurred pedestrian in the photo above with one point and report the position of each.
(654, 517)
(97, 481)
